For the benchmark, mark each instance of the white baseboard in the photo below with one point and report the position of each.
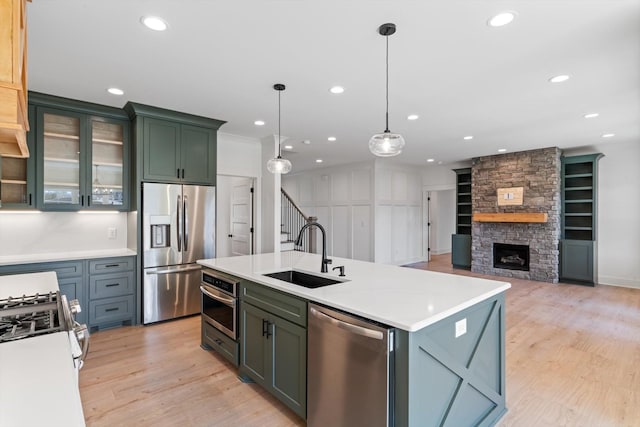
(618, 281)
(440, 251)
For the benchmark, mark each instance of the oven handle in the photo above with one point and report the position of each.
(228, 301)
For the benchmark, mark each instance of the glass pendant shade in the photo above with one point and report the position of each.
(279, 165)
(386, 144)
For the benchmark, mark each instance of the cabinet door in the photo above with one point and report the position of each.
(253, 357)
(73, 289)
(108, 173)
(60, 147)
(18, 175)
(161, 151)
(198, 155)
(576, 261)
(289, 364)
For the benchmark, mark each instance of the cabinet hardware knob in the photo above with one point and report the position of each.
(110, 285)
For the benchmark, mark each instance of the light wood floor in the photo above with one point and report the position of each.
(573, 359)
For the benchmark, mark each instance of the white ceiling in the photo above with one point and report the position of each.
(220, 59)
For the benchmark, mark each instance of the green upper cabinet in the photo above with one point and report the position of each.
(18, 176)
(82, 155)
(173, 146)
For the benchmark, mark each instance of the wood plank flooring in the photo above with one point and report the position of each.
(573, 359)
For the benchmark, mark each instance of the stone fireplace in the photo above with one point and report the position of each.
(511, 257)
(538, 172)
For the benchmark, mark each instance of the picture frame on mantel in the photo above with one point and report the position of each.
(512, 196)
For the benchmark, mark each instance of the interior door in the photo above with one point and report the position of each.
(241, 217)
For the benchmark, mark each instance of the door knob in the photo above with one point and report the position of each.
(230, 235)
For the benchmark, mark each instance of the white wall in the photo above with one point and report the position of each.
(618, 225)
(238, 156)
(342, 198)
(45, 232)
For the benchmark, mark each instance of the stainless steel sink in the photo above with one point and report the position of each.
(303, 279)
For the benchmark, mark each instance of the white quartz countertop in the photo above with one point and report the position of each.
(17, 285)
(406, 298)
(38, 383)
(64, 256)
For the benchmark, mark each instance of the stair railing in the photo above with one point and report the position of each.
(292, 221)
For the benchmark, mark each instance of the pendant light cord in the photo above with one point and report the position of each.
(279, 143)
(387, 86)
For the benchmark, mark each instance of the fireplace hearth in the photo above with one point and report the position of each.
(511, 257)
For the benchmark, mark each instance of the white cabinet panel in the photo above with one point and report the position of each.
(399, 186)
(361, 185)
(340, 188)
(383, 234)
(361, 226)
(340, 236)
(399, 238)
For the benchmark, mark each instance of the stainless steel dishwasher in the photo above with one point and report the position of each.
(349, 371)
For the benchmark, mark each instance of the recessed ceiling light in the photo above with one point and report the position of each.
(559, 79)
(331, 139)
(259, 123)
(413, 117)
(591, 115)
(154, 23)
(468, 137)
(306, 142)
(431, 160)
(336, 89)
(115, 91)
(318, 160)
(608, 135)
(501, 150)
(288, 147)
(501, 19)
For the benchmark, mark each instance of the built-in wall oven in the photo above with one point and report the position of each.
(220, 302)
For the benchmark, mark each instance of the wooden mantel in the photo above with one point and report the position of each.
(510, 217)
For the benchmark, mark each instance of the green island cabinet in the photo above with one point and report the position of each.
(103, 286)
(18, 176)
(82, 155)
(439, 376)
(461, 241)
(578, 261)
(273, 343)
(173, 146)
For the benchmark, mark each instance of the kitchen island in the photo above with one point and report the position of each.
(449, 344)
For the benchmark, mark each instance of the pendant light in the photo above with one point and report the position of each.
(387, 143)
(278, 164)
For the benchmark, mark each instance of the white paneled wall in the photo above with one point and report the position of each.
(371, 213)
(398, 213)
(341, 199)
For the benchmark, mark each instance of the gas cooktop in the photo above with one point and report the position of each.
(32, 315)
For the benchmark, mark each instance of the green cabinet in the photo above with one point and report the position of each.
(175, 147)
(71, 279)
(112, 286)
(461, 241)
(578, 219)
(273, 349)
(18, 176)
(82, 154)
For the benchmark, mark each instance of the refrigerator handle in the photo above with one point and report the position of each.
(185, 223)
(179, 223)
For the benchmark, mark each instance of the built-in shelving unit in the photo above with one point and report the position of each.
(461, 241)
(578, 227)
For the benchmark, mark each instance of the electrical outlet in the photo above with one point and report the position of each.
(112, 232)
(461, 327)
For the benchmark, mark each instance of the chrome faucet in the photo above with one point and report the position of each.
(325, 260)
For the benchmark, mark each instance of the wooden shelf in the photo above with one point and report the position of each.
(107, 141)
(13, 181)
(535, 217)
(62, 136)
(61, 184)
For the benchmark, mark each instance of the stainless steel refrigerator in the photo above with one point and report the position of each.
(179, 228)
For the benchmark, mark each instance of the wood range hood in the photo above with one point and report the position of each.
(528, 217)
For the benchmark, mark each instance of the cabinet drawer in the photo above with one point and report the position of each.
(285, 306)
(111, 310)
(110, 285)
(219, 342)
(63, 270)
(111, 265)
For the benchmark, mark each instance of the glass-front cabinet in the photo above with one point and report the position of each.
(82, 160)
(18, 176)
